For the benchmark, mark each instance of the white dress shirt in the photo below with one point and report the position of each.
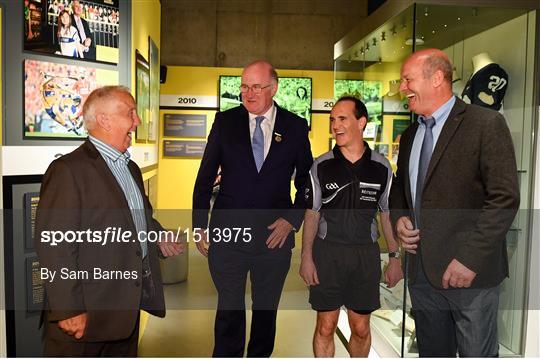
(267, 127)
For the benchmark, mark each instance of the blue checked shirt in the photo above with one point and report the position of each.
(118, 164)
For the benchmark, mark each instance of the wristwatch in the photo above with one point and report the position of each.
(394, 255)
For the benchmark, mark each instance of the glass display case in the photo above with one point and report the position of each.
(468, 35)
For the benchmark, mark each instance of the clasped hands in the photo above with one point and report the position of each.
(280, 230)
(456, 275)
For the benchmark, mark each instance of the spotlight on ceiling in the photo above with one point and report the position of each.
(409, 42)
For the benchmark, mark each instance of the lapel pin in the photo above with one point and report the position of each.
(278, 137)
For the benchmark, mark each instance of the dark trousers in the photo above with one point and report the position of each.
(454, 321)
(267, 272)
(119, 348)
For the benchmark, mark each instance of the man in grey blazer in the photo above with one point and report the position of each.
(453, 200)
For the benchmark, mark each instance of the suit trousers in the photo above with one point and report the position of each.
(267, 271)
(118, 348)
(450, 321)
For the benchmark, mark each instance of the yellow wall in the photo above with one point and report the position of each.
(145, 21)
(177, 176)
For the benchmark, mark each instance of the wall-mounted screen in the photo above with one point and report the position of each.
(54, 95)
(367, 91)
(294, 94)
(82, 29)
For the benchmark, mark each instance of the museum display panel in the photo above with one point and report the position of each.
(492, 50)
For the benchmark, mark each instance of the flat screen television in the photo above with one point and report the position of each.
(294, 94)
(367, 91)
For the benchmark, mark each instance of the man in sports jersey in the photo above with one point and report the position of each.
(340, 253)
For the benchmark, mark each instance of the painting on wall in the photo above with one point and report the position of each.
(54, 95)
(142, 96)
(153, 121)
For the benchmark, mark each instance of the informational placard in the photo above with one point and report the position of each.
(35, 290)
(183, 149)
(184, 125)
(31, 201)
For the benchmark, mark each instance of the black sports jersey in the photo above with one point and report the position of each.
(348, 195)
(487, 87)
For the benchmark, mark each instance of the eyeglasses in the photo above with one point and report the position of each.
(257, 89)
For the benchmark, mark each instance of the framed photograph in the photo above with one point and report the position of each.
(153, 121)
(142, 96)
(371, 130)
(294, 94)
(398, 126)
(81, 29)
(54, 95)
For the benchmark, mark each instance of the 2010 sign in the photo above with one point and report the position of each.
(187, 100)
(328, 104)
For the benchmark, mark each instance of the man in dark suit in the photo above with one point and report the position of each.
(259, 147)
(83, 29)
(453, 200)
(95, 288)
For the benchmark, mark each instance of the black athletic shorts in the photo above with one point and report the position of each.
(349, 275)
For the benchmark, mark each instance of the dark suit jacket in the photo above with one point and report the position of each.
(247, 198)
(470, 196)
(79, 192)
(91, 54)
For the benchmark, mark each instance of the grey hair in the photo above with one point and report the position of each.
(95, 99)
